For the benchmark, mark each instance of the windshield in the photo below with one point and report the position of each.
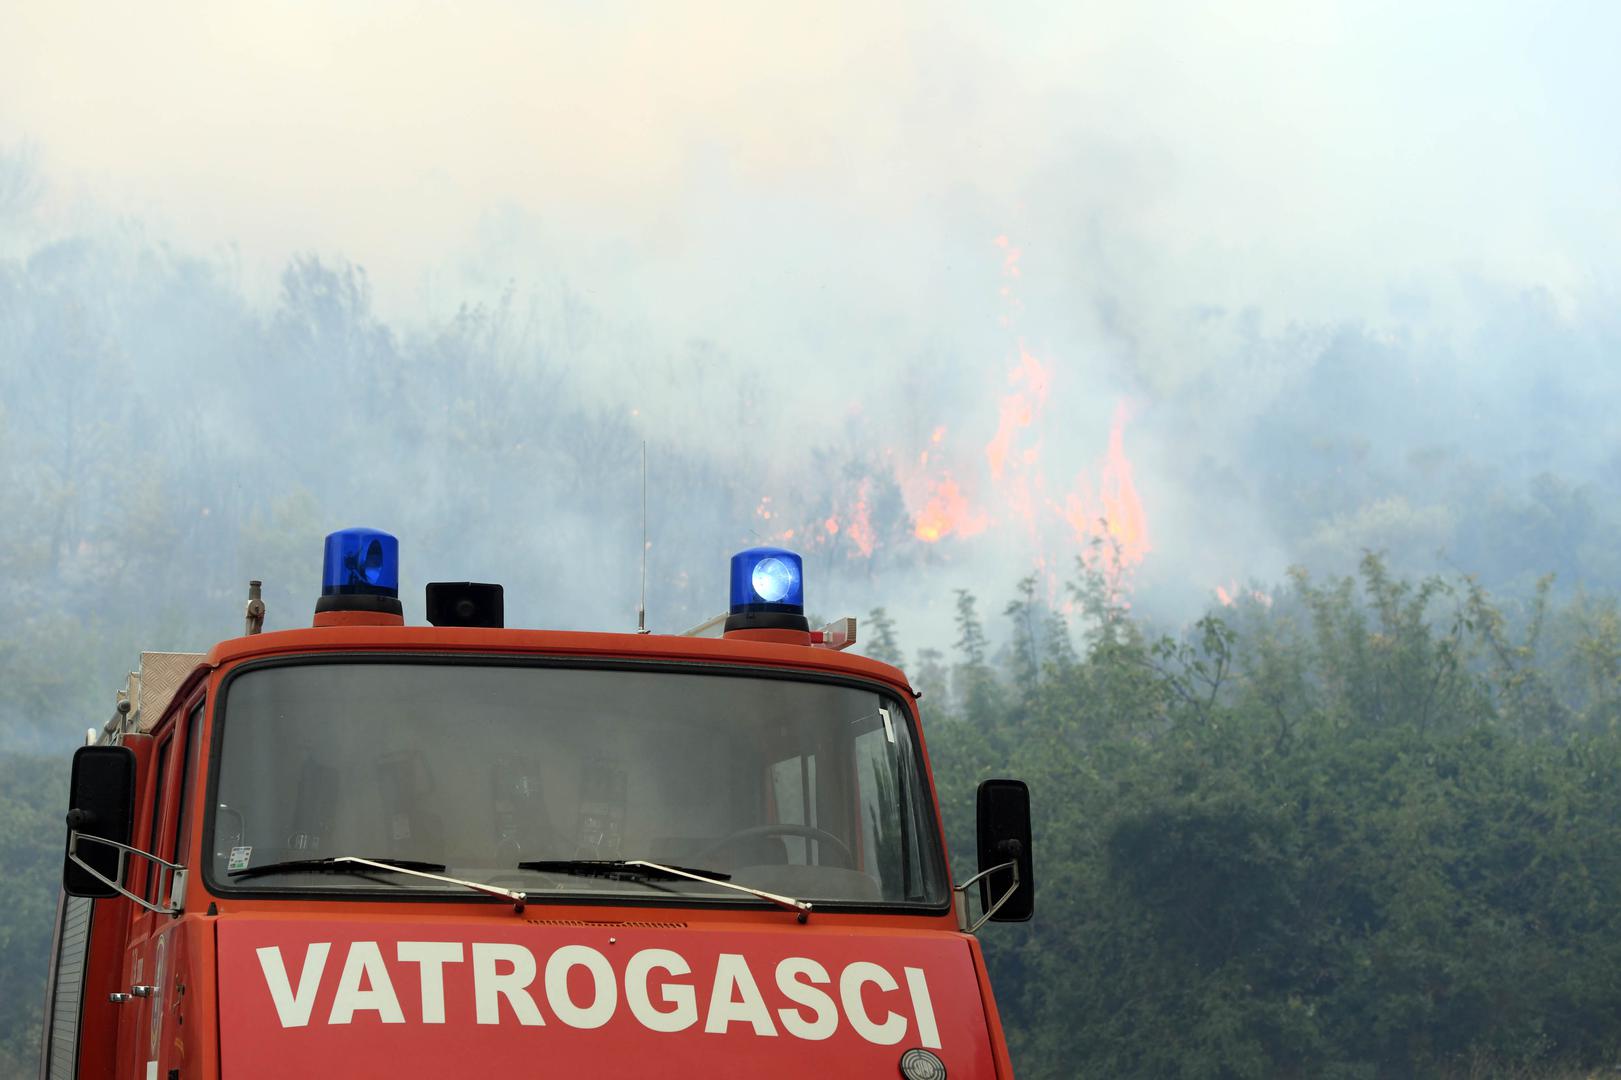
(808, 789)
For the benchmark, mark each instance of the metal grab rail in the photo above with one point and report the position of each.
(177, 873)
(962, 912)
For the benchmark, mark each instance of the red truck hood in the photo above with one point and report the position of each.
(360, 998)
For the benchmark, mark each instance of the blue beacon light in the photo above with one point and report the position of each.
(361, 572)
(768, 590)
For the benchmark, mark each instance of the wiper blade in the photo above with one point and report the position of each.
(343, 863)
(621, 868)
(399, 866)
(645, 870)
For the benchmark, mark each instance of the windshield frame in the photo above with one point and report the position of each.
(930, 841)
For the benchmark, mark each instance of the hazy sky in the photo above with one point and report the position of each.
(1308, 158)
(819, 190)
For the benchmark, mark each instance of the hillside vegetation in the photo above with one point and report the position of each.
(1370, 828)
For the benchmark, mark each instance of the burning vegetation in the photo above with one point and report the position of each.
(955, 487)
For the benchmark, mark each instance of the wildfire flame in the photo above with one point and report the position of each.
(1113, 512)
(1010, 271)
(947, 512)
(1231, 594)
(856, 524)
(1019, 409)
(859, 527)
(947, 494)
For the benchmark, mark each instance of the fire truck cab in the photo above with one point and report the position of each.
(367, 849)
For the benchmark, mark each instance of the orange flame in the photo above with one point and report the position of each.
(1019, 409)
(1010, 488)
(765, 513)
(1232, 594)
(1122, 508)
(947, 512)
(1114, 512)
(1010, 270)
(859, 527)
(1014, 452)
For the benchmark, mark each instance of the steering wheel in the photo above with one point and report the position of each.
(756, 832)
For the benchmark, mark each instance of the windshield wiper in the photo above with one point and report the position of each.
(341, 864)
(641, 869)
(621, 868)
(398, 866)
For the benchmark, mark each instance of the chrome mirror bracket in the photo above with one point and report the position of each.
(177, 873)
(962, 908)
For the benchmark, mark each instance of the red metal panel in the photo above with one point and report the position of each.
(355, 997)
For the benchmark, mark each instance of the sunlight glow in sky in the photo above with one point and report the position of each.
(1307, 158)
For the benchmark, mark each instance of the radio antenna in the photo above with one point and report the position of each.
(641, 607)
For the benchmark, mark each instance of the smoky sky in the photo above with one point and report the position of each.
(1346, 275)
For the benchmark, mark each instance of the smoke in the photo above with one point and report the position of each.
(1306, 281)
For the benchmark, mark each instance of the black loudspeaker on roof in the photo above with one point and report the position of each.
(465, 603)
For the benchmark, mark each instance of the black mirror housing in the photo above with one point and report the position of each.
(1004, 836)
(101, 803)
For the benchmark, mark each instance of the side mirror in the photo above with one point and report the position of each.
(1004, 836)
(101, 805)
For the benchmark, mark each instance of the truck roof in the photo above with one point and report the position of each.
(649, 647)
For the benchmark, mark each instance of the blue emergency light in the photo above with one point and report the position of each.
(768, 579)
(768, 590)
(361, 572)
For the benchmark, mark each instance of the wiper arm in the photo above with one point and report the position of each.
(646, 870)
(340, 864)
(610, 868)
(398, 866)
(799, 907)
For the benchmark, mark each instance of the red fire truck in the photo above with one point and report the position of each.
(367, 849)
